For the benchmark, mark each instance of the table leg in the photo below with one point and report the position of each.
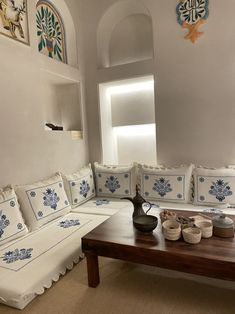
(92, 270)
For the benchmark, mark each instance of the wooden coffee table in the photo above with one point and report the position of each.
(117, 238)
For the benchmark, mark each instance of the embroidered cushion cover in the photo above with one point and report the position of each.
(166, 184)
(214, 186)
(79, 186)
(12, 225)
(43, 201)
(115, 181)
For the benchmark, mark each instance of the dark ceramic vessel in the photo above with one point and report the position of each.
(145, 223)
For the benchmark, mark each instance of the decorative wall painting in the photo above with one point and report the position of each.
(191, 14)
(14, 20)
(50, 31)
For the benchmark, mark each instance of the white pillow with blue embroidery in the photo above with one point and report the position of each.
(43, 201)
(166, 184)
(115, 181)
(214, 186)
(12, 225)
(79, 186)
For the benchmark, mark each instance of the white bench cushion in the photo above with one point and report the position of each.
(192, 207)
(103, 206)
(51, 250)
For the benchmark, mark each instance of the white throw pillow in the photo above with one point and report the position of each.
(79, 186)
(214, 186)
(166, 184)
(12, 225)
(115, 181)
(43, 201)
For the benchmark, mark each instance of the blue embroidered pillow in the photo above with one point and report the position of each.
(12, 225)
(166, 184)
(214, 186)
(79, 186)
(115, 181)
(43, 201)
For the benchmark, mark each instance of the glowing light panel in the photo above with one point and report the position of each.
(135, 130)
(129, 88)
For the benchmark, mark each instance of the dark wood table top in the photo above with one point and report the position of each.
(117, 238)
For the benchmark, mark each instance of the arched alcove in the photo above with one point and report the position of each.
(131, 40)
(62, 24)
(124, 28)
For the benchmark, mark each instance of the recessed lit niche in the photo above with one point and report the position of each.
(50, 31)
(128, 121)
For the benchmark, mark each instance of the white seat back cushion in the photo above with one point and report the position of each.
(79, 186)
(12, 225)
(115, 181)
(214, 186)
(166, 184)
(43, 201)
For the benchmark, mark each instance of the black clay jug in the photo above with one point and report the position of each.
(138, 202)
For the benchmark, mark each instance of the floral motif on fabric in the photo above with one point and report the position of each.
(32, 194)
(84, 188)
(12, 203)
(40, 214)
(4, 223)
(220, 190)
(50, 198)
(69, 223)
(162, 186)
(112, 184)
(16, 255)
(19, 226)
(101, 202)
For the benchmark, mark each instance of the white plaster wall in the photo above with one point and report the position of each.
(195, 83)
(28, 152)
(131, 40)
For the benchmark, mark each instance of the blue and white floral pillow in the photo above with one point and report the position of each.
(115, 181)
(12, 225)
(79, 186)
(214, 186)
(43, 201)
(166, 184)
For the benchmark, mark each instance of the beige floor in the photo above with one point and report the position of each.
(128, 289)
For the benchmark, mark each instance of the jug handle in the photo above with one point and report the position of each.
(150, 206)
